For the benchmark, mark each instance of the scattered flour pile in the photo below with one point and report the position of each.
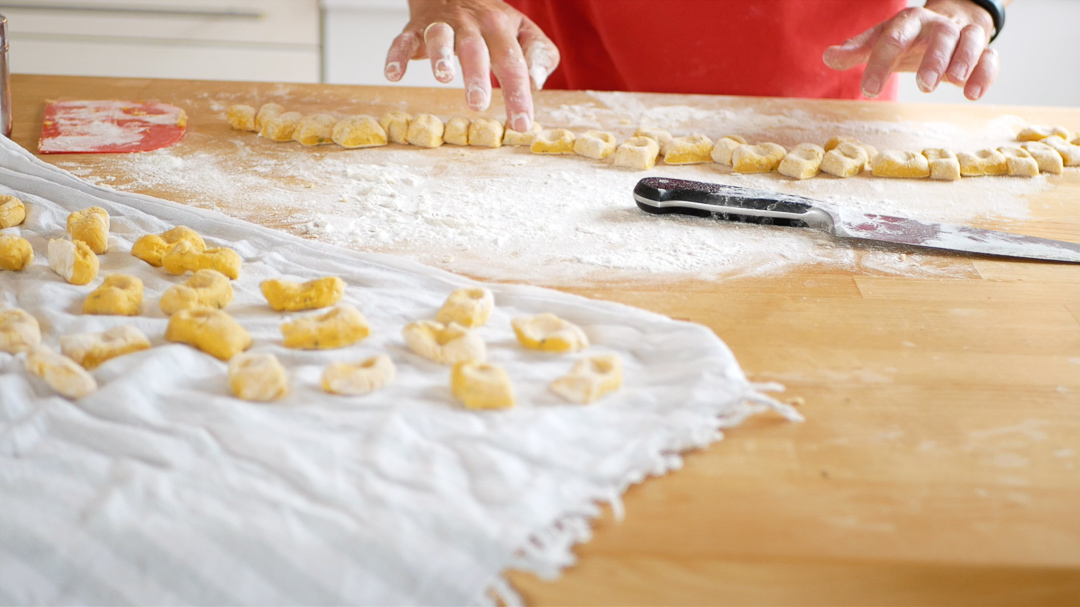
(506, 214)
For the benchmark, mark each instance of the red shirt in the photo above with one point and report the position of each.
(721, 47)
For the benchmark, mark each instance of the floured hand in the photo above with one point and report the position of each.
(946, 40)
(488, 36)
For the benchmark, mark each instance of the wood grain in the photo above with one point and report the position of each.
(940, 459)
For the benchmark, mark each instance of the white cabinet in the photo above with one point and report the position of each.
(277, 40)
(356, 36)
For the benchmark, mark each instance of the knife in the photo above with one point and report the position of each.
(661, 195)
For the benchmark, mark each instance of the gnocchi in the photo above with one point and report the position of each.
(342, 326)
(288, 296)
(118, 295)
(356, 379)
(480, 385)
(91, 350)
(211, 331)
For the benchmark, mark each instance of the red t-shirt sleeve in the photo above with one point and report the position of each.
(724, 47)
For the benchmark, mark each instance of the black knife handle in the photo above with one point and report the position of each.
(661, 195)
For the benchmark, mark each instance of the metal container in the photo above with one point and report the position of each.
(5, 80)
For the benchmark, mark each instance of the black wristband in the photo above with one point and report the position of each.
(996, 8)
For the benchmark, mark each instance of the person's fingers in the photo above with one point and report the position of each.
(895, 41)
(983, 75)
(439, 40)
(853, 52)
(508, 65)
(968, 52)
(939, 52)
(541, 54)
(476, 68)
(404, 47)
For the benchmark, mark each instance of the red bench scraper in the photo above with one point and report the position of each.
(74, 127)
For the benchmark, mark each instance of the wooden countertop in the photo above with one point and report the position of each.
(940, 459)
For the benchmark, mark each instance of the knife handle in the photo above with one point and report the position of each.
(661, 195)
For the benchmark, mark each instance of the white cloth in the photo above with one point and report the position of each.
(161, 489)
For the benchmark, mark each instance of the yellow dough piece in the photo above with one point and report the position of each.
(553, 141)
(456, 131)
(315, 129)
(257, 377)
(444, 344)
(281, 127)
(549, 333)
(1048, 159)
(803, 162)
(118, 295)
(185, 257)
(515, 138)
(944, 166)
(358, 132)
(266, 113)
(660, 136)
(73, 261)
(12, 211)
(761, 158)
(725, 147)
(426, 131)
(91, 350)
(901, 164)
(1038, 133)
(205, 289)
(90, 225)
(241, 117)
(691, 149)
(982, 162)
(342, 326)
(209, 330)
(637, 153)
(60, 372)
(845, 160)
(396, 125)
(1019, 162)
(357, 379)
(597, 145)
(469, 307)
(481, 385)
(590, 378)
(1070, 153)
(485, 133)
(19, 331)
(152, 247)
(287, 296)
(15, 252)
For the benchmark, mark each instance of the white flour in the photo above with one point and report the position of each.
(506, 214)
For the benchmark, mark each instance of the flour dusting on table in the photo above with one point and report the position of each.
(506, 214)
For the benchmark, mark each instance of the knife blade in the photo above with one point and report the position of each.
(661, 195)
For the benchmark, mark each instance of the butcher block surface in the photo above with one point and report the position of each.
(939, 462)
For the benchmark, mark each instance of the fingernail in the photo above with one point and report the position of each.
(444, 71)
(393, 70)
(520, 122)
(477, 98)
(960, 72)
(976, 92)
(539, 76)
(927, 82)
(871, 87)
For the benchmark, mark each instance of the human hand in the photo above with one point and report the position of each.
(946, 39)
(489, 36)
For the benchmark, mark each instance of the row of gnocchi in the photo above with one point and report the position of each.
(1042, 149)
(197, 318)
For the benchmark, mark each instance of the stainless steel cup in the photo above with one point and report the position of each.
(5, 80)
